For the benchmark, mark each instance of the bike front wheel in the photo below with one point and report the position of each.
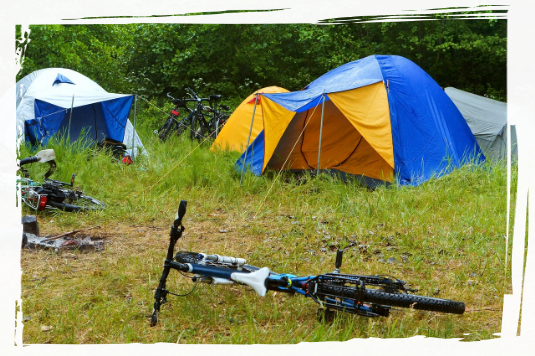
(166, 129)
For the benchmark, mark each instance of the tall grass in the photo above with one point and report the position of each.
(447, 237)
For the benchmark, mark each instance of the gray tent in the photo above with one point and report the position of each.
(487, 119)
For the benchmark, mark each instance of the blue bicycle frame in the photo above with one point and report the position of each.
(359, 294)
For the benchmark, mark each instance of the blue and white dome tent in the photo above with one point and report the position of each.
(45, 99)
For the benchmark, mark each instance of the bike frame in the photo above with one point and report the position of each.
(260, 280)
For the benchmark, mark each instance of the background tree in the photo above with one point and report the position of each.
(234, 60)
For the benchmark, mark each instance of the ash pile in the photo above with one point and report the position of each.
(72, 240)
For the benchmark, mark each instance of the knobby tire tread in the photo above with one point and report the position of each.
(414, 301)
(402, 300)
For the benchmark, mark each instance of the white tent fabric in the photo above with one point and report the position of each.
(487, 119)
(38, 85)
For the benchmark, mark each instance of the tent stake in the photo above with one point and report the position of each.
(134, 131)
(321, 131)
(248, 138)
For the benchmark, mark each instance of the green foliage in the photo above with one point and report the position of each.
(224, 44)
(234, 60)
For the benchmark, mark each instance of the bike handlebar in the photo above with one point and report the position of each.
(17, 164)
(197, 98)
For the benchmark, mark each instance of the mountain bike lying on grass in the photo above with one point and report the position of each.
(52, 194)
(358, 294)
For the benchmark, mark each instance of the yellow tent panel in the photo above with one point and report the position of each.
(346, 137)
(356, 136)
(368, 111)
(233, 135)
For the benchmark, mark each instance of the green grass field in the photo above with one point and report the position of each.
(447, 237)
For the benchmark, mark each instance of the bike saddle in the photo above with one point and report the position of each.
(256, 280)
(215, 97)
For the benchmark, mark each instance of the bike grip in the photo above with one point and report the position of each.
(339, 255)
(27, 160)
(180, 213)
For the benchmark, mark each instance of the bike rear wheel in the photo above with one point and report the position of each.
(6, 156)
(218, 125)
(347, 296)
(77, 202)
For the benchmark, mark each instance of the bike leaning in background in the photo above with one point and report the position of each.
(52, 194)
(358, 294)
(173, 124)
(201, 121)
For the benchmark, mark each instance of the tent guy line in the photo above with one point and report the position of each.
(284, 164)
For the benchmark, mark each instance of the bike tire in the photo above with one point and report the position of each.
(219, 123)
(80, 203)
(165, 130)
(402, 300)
(6, 156)
(181, 127)
(197, 130)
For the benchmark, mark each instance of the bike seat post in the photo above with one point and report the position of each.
(338, 263)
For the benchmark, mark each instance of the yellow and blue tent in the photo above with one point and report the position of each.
(380, 117)
(235, 133)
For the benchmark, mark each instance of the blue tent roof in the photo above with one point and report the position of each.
(429, 135)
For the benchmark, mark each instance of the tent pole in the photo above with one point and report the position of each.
(134, 130)
(249, 138)
(70, 117)
(321, 131)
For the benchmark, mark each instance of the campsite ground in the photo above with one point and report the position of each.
(446, 236)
